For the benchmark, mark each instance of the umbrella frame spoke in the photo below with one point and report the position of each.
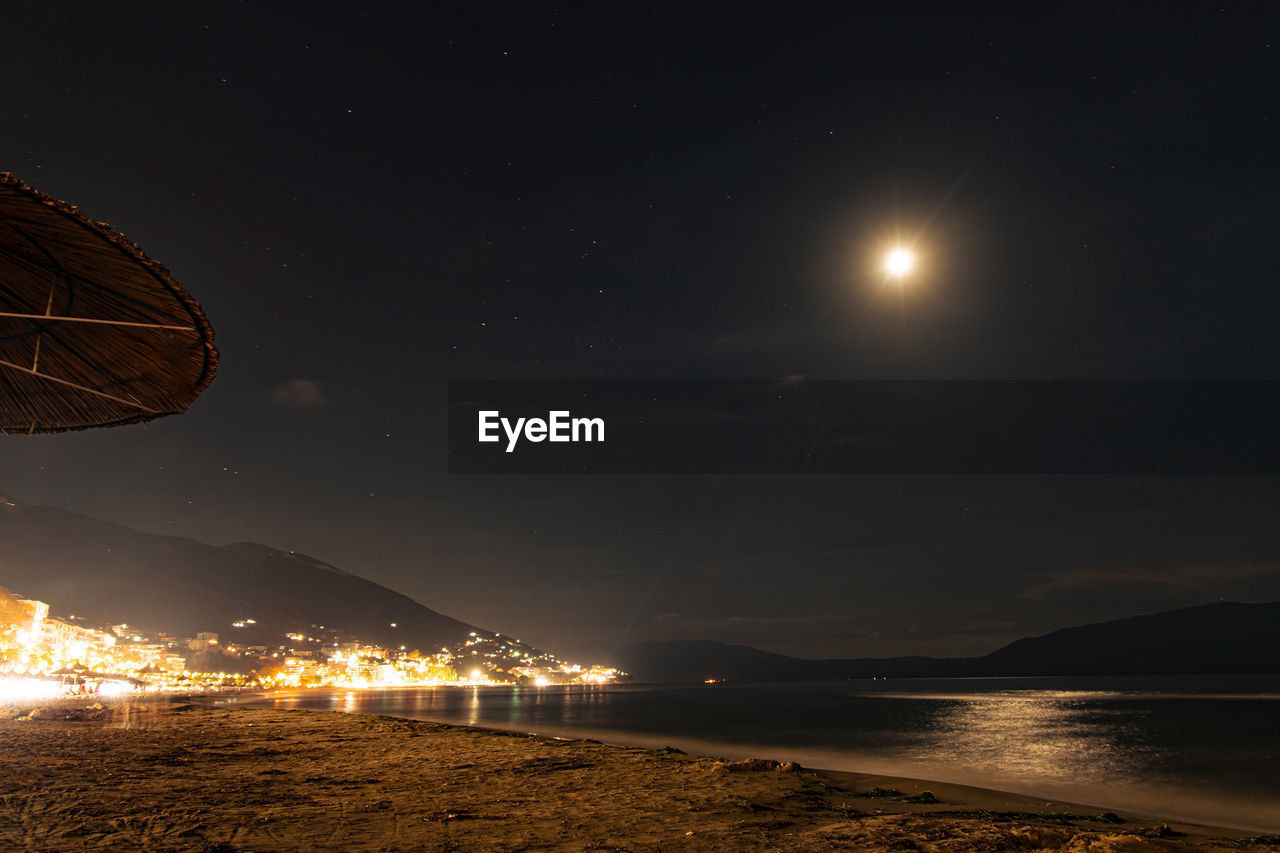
(129, 323)
(32, 372)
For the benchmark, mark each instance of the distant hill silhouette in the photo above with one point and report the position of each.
(1215, 638)
(109, 573)
(701, 660)
(1221, 637)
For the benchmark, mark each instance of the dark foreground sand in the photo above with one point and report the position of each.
(176, 778)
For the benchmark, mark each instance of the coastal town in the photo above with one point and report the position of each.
(44, 655)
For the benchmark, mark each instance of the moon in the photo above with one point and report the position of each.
(899, 262)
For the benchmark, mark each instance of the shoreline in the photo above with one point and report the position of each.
(1029, 796)
(182, 776)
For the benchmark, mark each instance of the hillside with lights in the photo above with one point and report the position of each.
(95, 603)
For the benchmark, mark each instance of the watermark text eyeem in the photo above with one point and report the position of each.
(559, 426)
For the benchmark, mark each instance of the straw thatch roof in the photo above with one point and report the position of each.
(92, 331)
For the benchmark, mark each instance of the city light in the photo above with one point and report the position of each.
(45, 656)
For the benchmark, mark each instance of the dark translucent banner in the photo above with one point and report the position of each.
(866, 427)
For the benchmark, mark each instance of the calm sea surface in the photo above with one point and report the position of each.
(1203, 748)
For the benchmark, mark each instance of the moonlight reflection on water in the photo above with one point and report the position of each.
(1049, 735)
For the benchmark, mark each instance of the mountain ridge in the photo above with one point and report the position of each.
(1221, 637)
(110, 573)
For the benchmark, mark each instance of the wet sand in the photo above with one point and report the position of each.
(178, 777)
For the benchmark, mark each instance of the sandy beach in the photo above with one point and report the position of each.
(172, 776)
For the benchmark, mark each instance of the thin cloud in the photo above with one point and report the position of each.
(828, 626)
(1178, 579)
(300, 394)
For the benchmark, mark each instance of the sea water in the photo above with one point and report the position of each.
(1199, 748)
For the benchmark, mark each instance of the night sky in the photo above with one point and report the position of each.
(370, 203)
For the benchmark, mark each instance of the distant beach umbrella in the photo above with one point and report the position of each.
(92, 331)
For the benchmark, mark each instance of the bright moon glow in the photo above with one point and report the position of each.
(899, 262)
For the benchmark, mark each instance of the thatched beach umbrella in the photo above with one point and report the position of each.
(92, 331)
